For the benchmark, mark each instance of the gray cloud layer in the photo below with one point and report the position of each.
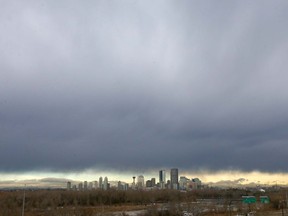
(141, 84)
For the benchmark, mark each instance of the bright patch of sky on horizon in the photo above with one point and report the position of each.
(219, 178)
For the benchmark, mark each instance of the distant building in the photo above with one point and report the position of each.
(140, 182)
(148, 184)
(90, 185)
(153, 182)
(183, 183)
(85, 185)
(194, 184)
(105, 184)
(198, 183)
(119, 185)
(68, 185)
(80, 186)
(122, 186)
(168, 185)
(100, 183)
(162, 179)
(96, 186)
(174, 179)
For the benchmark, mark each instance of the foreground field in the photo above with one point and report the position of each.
(122, 203)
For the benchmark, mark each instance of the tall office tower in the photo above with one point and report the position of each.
(100, 183)
(174, 178)
(140, 181)
(120, 185)
(90, 185)
(153, 182)
(96, 184)
(80, 186)
(162, 179)
(105, 183)
(85, 185)
(148, 184)
(68, 185)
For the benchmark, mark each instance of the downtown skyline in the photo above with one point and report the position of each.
(219, 179)
(123, 88)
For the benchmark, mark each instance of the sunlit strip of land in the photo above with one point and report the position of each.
(59, 179)
(241, 177)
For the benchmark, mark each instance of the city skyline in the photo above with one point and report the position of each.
(129, 88)
(222, 179)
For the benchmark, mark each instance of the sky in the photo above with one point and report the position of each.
(136, 86)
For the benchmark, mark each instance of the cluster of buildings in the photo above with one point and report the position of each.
(101, 184)
(176, 183)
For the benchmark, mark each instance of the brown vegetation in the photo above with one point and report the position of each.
(156, 202)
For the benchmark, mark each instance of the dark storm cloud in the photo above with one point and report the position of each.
(136, 84)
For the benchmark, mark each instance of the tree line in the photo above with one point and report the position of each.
(60, 202)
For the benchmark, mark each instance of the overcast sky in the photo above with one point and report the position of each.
(143, 84)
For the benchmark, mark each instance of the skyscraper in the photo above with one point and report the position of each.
(68, 185)
(90, 185)
(153, 182)
(100, 183)
(140, 181)
(85, 185)
(80, 186)
(162, 179)
(105, 184)
(96, 185)
(174, 178)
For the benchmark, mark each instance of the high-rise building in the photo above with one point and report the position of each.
(96, 186)
(148, 184)
(105, 183)
(68, 185)
(119, 185)
(85, 185)
(153, 182)
(140, 181)
(122, 186)
(162, 179)
(183, 183)
(100, 183)
(168, 185)
(90, 185)
(174, 179)
(80, 186)
(197, 183)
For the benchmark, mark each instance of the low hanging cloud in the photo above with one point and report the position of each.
(35, 183)
(141, 85)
